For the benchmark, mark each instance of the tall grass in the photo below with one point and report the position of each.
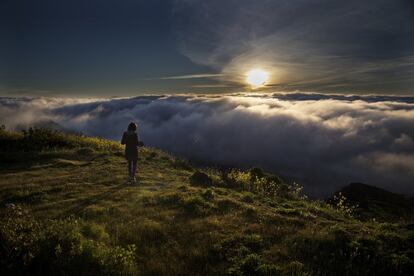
(40, 139)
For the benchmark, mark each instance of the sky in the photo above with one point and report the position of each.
(108, 48)
(336, 105)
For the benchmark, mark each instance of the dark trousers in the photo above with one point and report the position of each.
(132, 167)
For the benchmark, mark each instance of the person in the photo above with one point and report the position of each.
(131, 141)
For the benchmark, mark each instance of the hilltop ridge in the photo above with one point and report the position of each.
(374, 202)
(65, 209)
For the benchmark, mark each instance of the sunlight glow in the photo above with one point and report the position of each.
(257, 78)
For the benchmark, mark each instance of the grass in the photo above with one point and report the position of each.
(67, 210)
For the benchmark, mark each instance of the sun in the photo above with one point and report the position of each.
(257, 78)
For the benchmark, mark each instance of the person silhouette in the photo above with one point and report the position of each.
(131, 141)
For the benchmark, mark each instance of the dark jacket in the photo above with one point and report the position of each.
(130, 140)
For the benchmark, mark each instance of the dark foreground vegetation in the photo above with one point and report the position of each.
(65, 210)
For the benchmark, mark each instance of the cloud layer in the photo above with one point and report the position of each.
(322, 141)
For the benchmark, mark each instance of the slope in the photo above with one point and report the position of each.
(65, 209)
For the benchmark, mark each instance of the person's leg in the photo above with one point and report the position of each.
(130, 168)
(134, 167)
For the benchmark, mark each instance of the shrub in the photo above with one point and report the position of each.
(19, 238)
(180, 163)
(95, 231)
(152, 155)
(39, 139)
(253, 181)
(57, 247)
(142, 232)
(226, 205)
(266, 187)
(208, 194)
(170, 199)
(196, 205)
(151, 231)
(250, 213)
(239, 179)
(256, 181)
(200, 179)
(247, 197)
(253, 264)
(272, 269)
(256, 173)
(343, 204)
(337, 251)
(85, 151)
(248, 265)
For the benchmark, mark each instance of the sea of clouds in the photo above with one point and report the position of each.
(321, 141)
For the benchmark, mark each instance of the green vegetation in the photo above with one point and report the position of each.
(65, 209)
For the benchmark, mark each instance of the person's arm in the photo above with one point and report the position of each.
(136, 139)
(123, 142)
(139, 142)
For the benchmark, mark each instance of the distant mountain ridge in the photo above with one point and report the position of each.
(45, 124)
(374, 202)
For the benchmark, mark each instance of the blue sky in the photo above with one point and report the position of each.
(125, 48)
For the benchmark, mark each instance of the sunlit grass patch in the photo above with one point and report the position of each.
(68, 163)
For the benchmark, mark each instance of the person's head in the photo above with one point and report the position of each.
(132, 126)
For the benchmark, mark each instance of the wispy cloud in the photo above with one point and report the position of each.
(211, 86)
(191, 76)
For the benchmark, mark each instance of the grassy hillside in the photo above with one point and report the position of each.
(65, 209)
